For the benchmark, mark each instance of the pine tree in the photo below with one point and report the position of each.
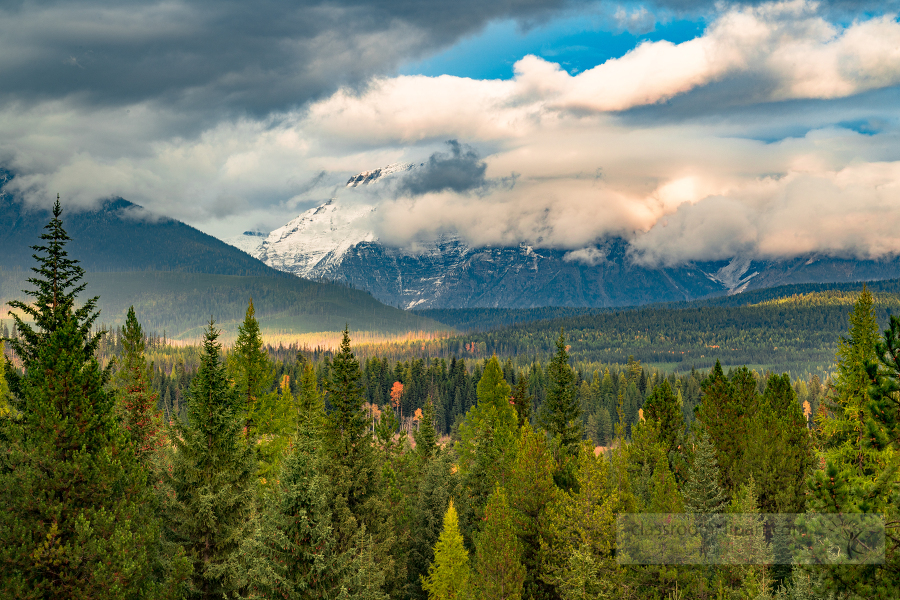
(522, 399)
(448, 576)
(703, 496)
(663, 407)
(425, 436)
(354, 470)
(249, 366)
(560, 413)
(723, 419)
(498, 573)
(77, 518)
(140, 416)
(212, 478)
(4, 387)
(307, 558)
(436, 485)
(531, 489)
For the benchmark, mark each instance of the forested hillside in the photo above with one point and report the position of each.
(797, 333)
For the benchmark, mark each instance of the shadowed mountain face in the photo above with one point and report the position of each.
(121, 236)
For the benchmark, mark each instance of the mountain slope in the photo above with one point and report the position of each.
(178, 277)
(336, 242)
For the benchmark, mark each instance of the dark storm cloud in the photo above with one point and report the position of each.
(462, 170)
(254, 56)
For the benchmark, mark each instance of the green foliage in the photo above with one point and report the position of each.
(77, 518)
(579, 537)
(140, 417)
(212, 479)
(449, 574)
(249, 367)
(560, 413)
(488, 436)
(359, 499)
(498, 572)
(663, 407)
(425, 436)
(436, 485)
(531, 491)
(522, 399)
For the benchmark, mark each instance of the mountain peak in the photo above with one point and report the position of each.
(370, 177)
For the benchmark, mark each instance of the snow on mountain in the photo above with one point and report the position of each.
(249, 241)
(369, 177)
(732, 275)
(317, 240)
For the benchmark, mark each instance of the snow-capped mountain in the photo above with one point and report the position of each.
(336, 241)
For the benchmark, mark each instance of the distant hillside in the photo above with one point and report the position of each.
(121, 236)
(794, 332)
(486, 319)
(180, 304)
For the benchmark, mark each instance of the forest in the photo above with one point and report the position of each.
(495, 465)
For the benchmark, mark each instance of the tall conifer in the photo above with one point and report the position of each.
(77, 517)
(212, 478)
(560, 413)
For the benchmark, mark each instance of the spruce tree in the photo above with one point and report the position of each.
(703, 496)
(425, 436)
(522, 399)
(488, 437)
(249, 366)
(140, 416)
(449, 573)
(353, 466)
(498, 572)
(560, 413)
(212, 478)
(663, 407)
(77, 518)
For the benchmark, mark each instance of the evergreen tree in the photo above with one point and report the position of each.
(531, 489)
(664, 494)
(354, 469)
(561, 414)
(663, 407)
(704, 497)
(212, 478)
(723, 419)
(249, 367)
(488, 437)
(435, 486)
(448, 576)
(498, 572)
(425, 436)
(77, 518)
(4, 387)
(140, 416)
(522, 399)
(581, 521)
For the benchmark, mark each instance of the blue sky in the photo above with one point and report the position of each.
(575, 43)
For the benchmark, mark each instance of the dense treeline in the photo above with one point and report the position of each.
(796, 334)
(276, 476)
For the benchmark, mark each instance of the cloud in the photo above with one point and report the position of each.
(459, 171)
(204, 54)
(588, 256)
(774, 132)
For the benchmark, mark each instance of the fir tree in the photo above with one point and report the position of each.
(353, 467)
(212, 478)
(498, 572)
(77, 518)
(249, 366)
(140, 416)
(703, 496)
(436, 484)
(560, 413)
(425, 436)
(448, 576)
(522, 399)
(663, 407)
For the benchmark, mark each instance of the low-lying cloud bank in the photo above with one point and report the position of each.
(774, 133)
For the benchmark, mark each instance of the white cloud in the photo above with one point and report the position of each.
(686, 188)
